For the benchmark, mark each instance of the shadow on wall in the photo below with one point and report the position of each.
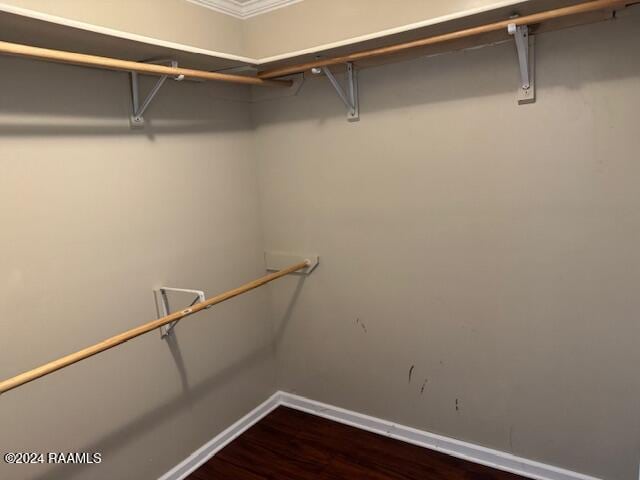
(564, 59)
(47, 99)
(176, 353)
(286, 317)
(121, 438)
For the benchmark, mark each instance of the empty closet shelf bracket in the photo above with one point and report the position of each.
(526, 62)
(348, 97)
(162, 304)
(137, 119)
(123, 337)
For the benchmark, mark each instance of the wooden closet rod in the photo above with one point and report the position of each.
(457, 35)
(63, 362)
(61, 56)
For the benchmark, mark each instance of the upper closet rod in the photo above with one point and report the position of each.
(142, 329)
(129, 66)
(457, 35)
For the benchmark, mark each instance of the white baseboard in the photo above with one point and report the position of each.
(464, 450)
(456, 448)
(217, 443)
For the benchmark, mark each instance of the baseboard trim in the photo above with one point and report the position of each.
(464, 450)
(217, 443)
(456, 448)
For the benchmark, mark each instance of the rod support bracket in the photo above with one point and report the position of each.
(138, 109)
(526, 61)
(162, 304)
(275, 261)
(350, 97)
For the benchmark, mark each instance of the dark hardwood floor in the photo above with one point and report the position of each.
(292, 445)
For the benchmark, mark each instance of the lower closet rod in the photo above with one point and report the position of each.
(142, 329)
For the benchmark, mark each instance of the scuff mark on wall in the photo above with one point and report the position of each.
(411, 372)
(424, 384)
(457, 405)
(361, 323)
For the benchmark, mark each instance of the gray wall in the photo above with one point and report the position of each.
(493, 247)
(94, 216)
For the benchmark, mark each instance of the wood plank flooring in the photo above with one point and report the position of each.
(292, 445)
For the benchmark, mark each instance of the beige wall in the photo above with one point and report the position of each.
(282, 31)
(175, 21)
(94, 216)
(313, 23)
(492, 247)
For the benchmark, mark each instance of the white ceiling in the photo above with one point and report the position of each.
(244, 8)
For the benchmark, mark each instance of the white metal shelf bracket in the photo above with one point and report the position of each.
(137, 119)
(526, 60)
(162, 302)
(350, 97)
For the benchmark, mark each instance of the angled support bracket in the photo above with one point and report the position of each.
(526, 60)
(350, 97)
(137, 119)
(162, 302)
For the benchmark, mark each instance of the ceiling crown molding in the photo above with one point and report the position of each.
(244, 8)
